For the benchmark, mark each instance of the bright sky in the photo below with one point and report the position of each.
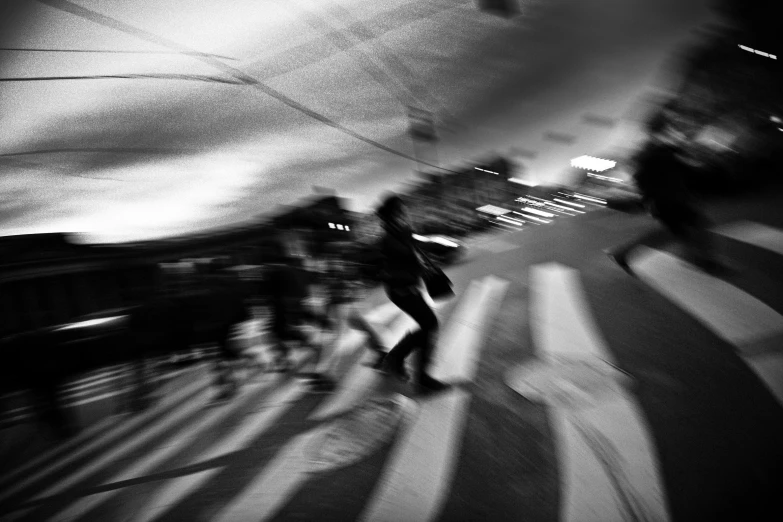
(127, 159)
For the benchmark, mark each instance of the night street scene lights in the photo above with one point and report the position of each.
(755, 51)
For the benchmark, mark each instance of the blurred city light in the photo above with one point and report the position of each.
(592, 163)
(756, 51)
(91, 322)
(492, 209)
(605, 178)
(590, 199)
(532, 217)
(538, 212)
(523, 182)
(485, 170)
(331, 225)
(775, 119)
(569, 203)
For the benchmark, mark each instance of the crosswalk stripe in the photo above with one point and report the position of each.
(167, 450)
(138, 440)
(753, 233)
(353, 388)
(119, 430)
(419, 472)
(252, 427)
(609, 469)
(731, 313)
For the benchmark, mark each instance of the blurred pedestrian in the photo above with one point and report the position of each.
(402, 273)
(288, 287)
(662, 172)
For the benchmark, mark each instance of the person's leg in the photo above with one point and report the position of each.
(415, 306)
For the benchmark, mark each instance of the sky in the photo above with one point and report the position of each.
(224, 111)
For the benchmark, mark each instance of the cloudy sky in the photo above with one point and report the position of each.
(198, 113)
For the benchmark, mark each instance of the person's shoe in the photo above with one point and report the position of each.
(620, 260)
(428, 385)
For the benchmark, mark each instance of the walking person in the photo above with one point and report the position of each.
(403, 271)
(288, 290)
(661, 176)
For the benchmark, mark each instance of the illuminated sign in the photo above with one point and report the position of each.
(592, 163)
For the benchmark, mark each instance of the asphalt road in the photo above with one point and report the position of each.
(580, 393)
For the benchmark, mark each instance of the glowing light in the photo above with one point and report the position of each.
(331, 225)
(485, 170)
(91, 322)
(569, 203)
(592, 163)
(756, 51)
(340, 227)
(347, 228)
(605, 178)
(538, 212)
(775, 119)
(590, 199)
(523, 182)
(510, 220)
(532, 217)
(492, 209)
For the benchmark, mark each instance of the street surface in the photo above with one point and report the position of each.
(580, 394)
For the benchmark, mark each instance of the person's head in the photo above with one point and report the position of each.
(392, 211)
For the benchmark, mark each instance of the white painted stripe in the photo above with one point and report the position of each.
(176, 443)
(731, 313)
(117, 430)
(252, 427)
(353, 388)
(138, 440)
(612, 433)
(420, 470)
(279, 481)
(756, 234)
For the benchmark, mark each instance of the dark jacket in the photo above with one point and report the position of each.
(661, 175)
(401, 265)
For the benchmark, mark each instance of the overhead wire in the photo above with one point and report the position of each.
(107, 21)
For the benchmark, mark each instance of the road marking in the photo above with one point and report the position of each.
(732, 314)
(114, 434)
(253, 426)
(138, 440)
(753, 233)
(169, 448)
(419, 472)
(360, 379)
(608, 468)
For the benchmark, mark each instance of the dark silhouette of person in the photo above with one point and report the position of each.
(662, 174)
(402, 272)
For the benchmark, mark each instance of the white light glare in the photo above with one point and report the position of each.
(492, 209)
(532, 217)
(569, 203)
(755, 51)
(775, 119)
(331, 225)
(510, 220)
(592, 163)
(523, 182)
(485, 170)
(340, 227)
(538, 212)
(605, 178)
(91, 322)
(590, 199)
(347, 228)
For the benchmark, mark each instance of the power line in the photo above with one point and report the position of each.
(109, 51)
(141, 76)
(107, 21)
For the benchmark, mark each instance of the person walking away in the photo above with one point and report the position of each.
(661, 176)
(403, 271)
